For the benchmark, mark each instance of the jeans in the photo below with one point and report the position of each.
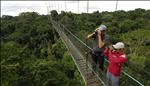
(112, 80)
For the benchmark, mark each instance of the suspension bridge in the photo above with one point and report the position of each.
(79, 53)
(83, 61)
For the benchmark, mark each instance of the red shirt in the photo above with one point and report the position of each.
(116, 59)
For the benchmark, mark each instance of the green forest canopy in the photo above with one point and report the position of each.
(32, 53)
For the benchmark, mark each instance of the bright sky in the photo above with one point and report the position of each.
(15, 7)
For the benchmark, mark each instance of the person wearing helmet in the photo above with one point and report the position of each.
(100, 39)
(116, 58)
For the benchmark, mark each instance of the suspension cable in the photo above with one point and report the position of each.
(125, 73)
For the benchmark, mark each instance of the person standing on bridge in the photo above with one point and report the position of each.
(116, 58)
(100, 40)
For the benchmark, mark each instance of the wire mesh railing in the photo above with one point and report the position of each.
(126, 79)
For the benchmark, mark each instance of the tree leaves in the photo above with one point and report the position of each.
(33, 54)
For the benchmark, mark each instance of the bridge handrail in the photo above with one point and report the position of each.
(88, 65)
(125, 73)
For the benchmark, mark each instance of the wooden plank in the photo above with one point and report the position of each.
(78, 58)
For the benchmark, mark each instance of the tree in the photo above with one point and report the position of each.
(54, 15)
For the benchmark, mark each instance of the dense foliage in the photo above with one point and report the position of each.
(32, 53)
(131, 27)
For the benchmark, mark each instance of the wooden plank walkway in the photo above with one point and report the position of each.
(89, 77)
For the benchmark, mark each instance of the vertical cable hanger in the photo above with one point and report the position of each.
(116, 5)
(57, 6)
(87, 6)
(78, 6)
(65, 6)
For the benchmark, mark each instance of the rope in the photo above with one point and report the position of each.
(105, 59)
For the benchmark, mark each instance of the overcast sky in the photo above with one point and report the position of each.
(15, 7)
